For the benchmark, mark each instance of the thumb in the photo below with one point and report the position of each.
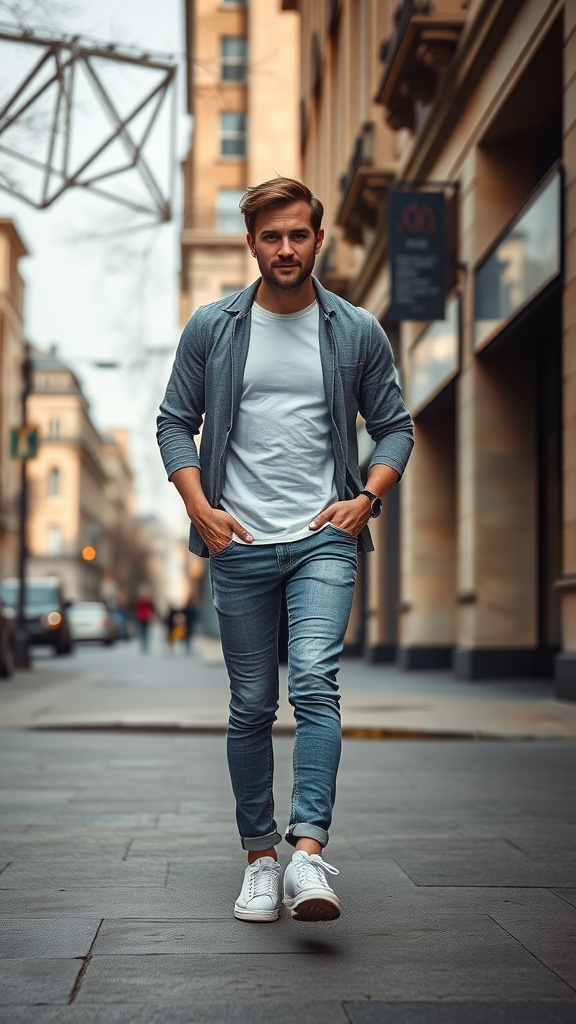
(319, 520)
(240, 531)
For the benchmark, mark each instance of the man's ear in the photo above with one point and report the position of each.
(319, 239)
(251, 244)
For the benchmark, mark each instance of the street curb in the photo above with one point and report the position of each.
(348, 732)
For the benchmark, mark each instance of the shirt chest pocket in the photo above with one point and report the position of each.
(349, 371)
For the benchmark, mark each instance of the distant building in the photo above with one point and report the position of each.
(119, 551)
(81, 493)
(476, 553)
(243, 76)
(12, 250)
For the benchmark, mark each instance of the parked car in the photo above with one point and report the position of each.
(45, 612)
(7, 622)
(91, 620)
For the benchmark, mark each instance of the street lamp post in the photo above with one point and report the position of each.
(21, 645)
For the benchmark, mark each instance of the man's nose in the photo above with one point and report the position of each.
(286, 247)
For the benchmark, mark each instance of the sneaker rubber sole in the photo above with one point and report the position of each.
(254, 915)
(320, 906)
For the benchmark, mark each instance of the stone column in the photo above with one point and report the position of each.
(382, 583)
(496, 588)
(426, 632)
(497, 593)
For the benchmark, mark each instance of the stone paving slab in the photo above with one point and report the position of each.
(567, 894)
(376, 1012)
(177, 979)
(197, 1012)
(479, 940)
(494, 868)
(46, 939)
(551, 938)
(46, 818)
(139, 938)
(87, 873)
(116, 901)
(37, 981)
(19, 797)
(40, 846)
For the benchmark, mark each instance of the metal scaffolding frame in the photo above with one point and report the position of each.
(57, 176)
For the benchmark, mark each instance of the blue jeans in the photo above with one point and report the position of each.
(317, 575)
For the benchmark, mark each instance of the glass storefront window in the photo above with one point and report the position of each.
(434, 359)
(525, 260)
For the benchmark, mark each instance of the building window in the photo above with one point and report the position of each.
(54, 540)
(54, 428)
(233, 128)
(233, 59)
(233, 3)
(229, 220)
(54, 482)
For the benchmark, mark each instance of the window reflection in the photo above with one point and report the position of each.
(435, 357)
(526, 259)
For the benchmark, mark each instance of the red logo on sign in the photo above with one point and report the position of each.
(417, 219)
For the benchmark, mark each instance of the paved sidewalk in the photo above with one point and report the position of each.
(119, 866)
(121, 688)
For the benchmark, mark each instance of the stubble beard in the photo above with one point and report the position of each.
(286, 286)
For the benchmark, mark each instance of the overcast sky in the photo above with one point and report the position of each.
(97, 287)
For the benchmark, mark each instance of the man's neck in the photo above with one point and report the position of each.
(278, 300)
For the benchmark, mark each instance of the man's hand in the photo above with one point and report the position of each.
(213, 524)
(216, 529)
(350, 516)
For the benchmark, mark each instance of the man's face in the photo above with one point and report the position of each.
(285, 245)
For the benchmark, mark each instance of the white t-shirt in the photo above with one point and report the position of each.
(280, 463)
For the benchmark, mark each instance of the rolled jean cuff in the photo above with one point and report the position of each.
(303, 831)
(261, 842)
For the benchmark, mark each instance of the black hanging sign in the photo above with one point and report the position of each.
(417, 248)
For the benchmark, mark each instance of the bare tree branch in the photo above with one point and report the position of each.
(31, 15)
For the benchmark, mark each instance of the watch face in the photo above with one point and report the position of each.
(376, 508)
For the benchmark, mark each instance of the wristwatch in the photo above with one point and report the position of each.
(375, 504)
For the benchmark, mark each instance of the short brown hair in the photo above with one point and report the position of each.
(276, 193)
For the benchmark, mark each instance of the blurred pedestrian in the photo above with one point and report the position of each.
(191, 614)
(278, 373)
(144, 613)
(176, 628)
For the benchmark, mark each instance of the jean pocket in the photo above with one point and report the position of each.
(344, 533)
(223, 551)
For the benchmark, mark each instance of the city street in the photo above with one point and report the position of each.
(120, 863)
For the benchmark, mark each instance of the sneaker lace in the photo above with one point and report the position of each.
(314, 869)
(263, 880)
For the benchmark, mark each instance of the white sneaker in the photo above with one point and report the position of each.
(307, 894)
(258, 899)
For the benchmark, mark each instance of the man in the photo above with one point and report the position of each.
(279, 371)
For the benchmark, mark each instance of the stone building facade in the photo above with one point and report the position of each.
(12, 250)
(242, 93)
(81, 516)
(476, 99)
